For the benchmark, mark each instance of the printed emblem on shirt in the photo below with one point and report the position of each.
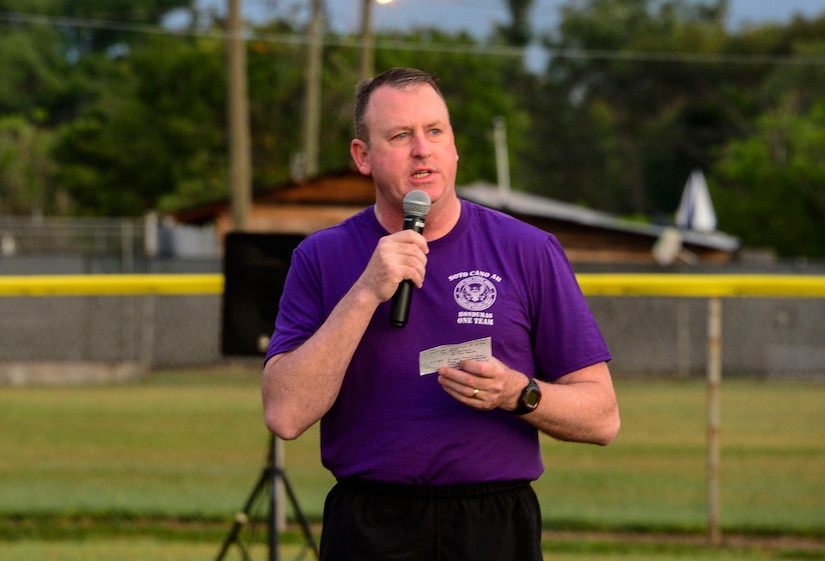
(475, 292)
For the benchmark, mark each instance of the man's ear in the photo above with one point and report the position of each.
(359, 152)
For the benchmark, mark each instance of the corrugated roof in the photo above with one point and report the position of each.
(528, 204)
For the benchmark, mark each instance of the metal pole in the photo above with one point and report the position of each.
(312, 104)
(127, 253)
(275, 508)
(367, 41)
(502, 157)
(714, 383)
(683, 337)
(239, 142)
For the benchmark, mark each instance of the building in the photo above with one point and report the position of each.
(588, 236)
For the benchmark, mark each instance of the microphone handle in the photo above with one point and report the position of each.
(400, 312)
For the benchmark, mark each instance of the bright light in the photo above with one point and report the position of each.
(384, 1)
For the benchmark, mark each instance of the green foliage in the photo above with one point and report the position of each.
(774, 178)
(83, 39)
(33, 73)
(25, 167)
(630, 128)
(661, 88)
(276, 96)
(517, 32)
(636, 94)
(154, 135)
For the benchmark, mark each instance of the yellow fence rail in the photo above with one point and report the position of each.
(593, 284)
(704, 286)
(110, 285)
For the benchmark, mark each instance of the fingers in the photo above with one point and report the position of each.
(476, 397)
(404, 255)
(483, 385)
(397, 257)
(477, 384)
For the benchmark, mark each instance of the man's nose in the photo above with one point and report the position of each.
(420, 145)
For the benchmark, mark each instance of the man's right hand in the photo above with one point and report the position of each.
(397, 257)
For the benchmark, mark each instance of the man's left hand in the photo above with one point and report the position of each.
(483, 385)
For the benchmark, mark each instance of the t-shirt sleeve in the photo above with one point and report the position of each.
(567, 337)
(300, 311)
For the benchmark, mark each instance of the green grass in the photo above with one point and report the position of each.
(654, 474)
(155, 449)
(160, 468)
(154, 549)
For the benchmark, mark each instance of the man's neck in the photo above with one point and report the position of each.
(439, 222)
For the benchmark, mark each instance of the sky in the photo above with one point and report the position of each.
(480, 16)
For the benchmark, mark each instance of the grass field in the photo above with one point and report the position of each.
(157, 471)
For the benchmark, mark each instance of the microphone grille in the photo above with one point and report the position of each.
(417, 203)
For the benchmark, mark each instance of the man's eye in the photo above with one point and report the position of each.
(401, 136)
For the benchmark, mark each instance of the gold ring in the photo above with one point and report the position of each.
(475, 392)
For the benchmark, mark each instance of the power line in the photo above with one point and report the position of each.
(457, 48)
(698, 58)
(86, 23)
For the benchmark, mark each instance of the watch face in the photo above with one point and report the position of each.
(529, 398)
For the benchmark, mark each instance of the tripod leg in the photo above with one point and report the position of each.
(299, 515)
(269, 477)
(242, 518)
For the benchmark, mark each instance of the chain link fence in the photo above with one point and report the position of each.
(70, 339)
(71, 245)
(102, 336)
(649, 336)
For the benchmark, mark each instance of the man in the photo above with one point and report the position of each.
(432, 462)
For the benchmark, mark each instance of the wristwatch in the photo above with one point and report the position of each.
(529, 398)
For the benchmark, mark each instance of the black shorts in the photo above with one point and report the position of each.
(369, 521)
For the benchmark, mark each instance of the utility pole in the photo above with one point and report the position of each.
(239, 143)
(367, 41)
(312, 93)
(502, 157)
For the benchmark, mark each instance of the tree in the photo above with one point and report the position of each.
(80, 40)
(52, 75)
(26, 170)
(622, 124)
(518, 32)
(153, 136)
(126, 121)
(34, 73)
(768, 181)
(769, 186)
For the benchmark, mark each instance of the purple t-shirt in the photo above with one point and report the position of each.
(491, 276)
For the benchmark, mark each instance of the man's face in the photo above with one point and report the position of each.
(411, 144)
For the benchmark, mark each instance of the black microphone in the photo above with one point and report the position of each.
(416, 206)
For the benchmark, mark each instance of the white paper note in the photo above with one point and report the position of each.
(431, 360)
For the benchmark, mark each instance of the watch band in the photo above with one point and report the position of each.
(529, 398)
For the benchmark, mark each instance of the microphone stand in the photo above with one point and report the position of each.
(268, 480)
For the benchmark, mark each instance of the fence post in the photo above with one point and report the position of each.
(714, 382)
(147, 342)
(683, 337)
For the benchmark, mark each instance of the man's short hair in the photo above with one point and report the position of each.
(398, 78)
